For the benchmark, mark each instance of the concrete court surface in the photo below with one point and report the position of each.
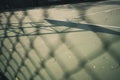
(65, 42)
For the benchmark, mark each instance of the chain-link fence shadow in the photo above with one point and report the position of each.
(49, 44)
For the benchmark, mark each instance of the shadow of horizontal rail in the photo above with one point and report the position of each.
(80, 27)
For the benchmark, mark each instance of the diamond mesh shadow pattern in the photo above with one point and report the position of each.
(35, 45)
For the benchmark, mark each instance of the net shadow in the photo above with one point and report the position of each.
(28, 51)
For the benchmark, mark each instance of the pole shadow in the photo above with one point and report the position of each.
(90, 27)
